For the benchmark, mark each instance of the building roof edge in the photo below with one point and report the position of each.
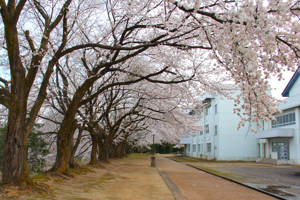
(288, 87)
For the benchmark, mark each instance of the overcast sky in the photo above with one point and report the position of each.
(278, 86)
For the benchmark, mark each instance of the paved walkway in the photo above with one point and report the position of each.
(189, 183)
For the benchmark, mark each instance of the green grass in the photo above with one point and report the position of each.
(97, 181)
(186, 159)
(82, 170)
(223, 174)
(193, 159)
(86, 190)
(135, 156)
(40, 177)
(57, 180)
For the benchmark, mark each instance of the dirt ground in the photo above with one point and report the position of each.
(122, 179)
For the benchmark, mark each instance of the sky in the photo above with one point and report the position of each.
(279, 86)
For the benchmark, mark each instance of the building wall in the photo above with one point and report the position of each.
(294, 147)
(294, 142)
(229, 143)
(295, 89)
(234, 144)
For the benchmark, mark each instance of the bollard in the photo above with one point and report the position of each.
(152, 161)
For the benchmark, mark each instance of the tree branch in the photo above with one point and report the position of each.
(30, 42)
(119, 83)
(3, 10)
(17, 11)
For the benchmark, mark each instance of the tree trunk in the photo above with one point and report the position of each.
(127, 149)
(111, 151)
(120, 152)
(65, 133)
(15, 169)
(95, 140)
(74, 148)
(103, 150)
(103, 156)
(64, 143)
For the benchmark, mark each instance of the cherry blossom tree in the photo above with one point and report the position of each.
(23, 73)
(43, 33)
(252, 40)
(196, 42)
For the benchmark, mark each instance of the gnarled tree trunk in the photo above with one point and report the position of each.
(64, 144)
(74, 148)
(95, 140)
(120, 150)
(103, 150)
(15, 170)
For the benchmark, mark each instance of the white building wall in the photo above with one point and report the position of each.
(294, 147)
(289, 105)
(229, 143)
(297, 138)
(234, 144)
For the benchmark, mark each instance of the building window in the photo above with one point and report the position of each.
(206, 128)
(282, 149)
(201, 132)
(199, 150)
(284, 120)
(208, 146)
(194, 148)
(216, 130)
(216, 109)
(207, 110)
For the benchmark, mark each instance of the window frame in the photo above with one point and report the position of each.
(284, 120)
(208, 147)
(216, 129)
(206, 129)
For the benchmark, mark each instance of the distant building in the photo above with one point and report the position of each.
(279, 142)
(220, 138)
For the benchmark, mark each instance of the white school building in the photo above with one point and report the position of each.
(220, 138)
(279, 143)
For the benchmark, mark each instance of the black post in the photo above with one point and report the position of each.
(153, 146)
(153, 158)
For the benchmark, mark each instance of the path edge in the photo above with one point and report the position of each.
(177, 194)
